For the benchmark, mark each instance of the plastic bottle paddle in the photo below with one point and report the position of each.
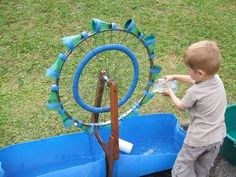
(160, 85)
(125, 146)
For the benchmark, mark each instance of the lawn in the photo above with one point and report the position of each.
(30, 41)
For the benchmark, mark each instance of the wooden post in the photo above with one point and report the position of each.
(111, 148)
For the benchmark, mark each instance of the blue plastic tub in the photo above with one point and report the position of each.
(156, 139)
(63, 156)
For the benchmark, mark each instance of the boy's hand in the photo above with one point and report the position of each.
(168, 91)
(165, 93)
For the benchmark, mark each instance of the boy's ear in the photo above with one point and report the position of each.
(201, 72)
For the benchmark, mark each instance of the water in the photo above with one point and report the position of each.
(160, 85)
(153, 146)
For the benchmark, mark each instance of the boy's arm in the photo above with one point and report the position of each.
(177, 102)
(181, 78)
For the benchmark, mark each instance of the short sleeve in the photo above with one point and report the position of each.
(189, 98)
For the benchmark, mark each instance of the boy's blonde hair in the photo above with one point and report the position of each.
(203, 55)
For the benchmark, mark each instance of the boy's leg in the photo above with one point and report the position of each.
(184, 164)
(205, 161)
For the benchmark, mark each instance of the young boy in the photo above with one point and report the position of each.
(206, 103)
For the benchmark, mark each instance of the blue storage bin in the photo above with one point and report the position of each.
(62, 156)
(156, 138)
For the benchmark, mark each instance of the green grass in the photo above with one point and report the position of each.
(30, 42)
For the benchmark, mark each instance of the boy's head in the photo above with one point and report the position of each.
(203, 55)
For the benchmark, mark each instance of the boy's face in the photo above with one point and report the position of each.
(197, 75)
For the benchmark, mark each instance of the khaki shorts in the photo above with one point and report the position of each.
(195, 161)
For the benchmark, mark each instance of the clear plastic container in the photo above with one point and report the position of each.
(160, 85)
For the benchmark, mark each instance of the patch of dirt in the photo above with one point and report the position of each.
(166, 173)
(222, 168)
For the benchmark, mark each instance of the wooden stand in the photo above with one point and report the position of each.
(111, 148)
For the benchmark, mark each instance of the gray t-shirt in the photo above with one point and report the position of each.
(206, 103)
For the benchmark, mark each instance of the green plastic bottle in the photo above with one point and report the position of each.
(54, 100)
(148, 96)
(155, 71)
(66, 119)
(149, 42)
(54, 71)
(72, 41)
(131, 27)
(99, 25)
